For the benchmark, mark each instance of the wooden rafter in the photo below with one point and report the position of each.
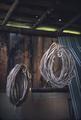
(9, 12)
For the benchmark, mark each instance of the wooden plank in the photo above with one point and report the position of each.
(10, 12)
(37, 58)
(32, 32)
(4, 7)
(3, 61)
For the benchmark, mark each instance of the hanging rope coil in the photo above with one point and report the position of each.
(17, 86)
(57, 66)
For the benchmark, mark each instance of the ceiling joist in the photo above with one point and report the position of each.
(9, 12)
(35, 13)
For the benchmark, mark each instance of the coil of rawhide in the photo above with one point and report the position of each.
(17, 86)
(57, 66)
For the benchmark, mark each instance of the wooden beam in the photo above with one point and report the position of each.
(57, 5)
(32, 32)
(26, 31)
(41, 3)
(4, 7)
(72, 21)
(18, 17)
(44, 15)
(10, 12)
(27, 10)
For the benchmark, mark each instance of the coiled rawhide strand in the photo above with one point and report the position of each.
(57, 66)
(17, 86)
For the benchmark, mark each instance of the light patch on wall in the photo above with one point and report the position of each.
(72, 32)
(46, 29)
(43, 28)
(18, 25)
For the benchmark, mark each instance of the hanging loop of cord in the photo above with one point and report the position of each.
(17, 86)
(57, 66)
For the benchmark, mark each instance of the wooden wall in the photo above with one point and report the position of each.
(40, 45)
(3, 60)
(23, 49)
(26, 49)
